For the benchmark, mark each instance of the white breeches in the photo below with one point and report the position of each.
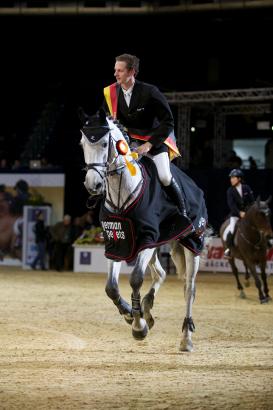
(231, 226)
(162, 163)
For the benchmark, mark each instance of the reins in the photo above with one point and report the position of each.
(256, 245)
(250, 243)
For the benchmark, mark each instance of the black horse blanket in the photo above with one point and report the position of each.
(152, 219)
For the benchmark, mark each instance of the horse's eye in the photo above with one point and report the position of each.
(104, 145)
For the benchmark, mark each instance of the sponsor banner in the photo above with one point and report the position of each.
(213, 259)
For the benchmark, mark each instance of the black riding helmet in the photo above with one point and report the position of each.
(236, 173)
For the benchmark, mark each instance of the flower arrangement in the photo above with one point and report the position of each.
(36, 198)
(93, 236)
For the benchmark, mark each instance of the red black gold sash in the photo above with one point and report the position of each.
(111, 97)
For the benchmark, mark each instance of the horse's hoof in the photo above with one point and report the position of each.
(247, 283)
(150, 321)
(264, 300)
(140, 334)
(146, 306)
(186, 346)
(128, 318)
(242, 295)
(268, 297)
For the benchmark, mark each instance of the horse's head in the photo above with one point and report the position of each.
(103, 140)
(262, 216)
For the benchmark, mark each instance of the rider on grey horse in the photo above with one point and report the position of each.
(239, 198)
(146, 114)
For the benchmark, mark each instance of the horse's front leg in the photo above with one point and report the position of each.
(192, 265)
(264, 279)
(112, 290)
(252, 268)
(158, 276)
(236, 274)
(139, 326)
(247, 275)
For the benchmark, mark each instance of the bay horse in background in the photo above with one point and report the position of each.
(119, 178)
(250, 244)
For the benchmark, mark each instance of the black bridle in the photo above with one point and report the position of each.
(105, 165)
(103, 173)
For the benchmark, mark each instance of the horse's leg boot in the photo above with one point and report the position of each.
(174, 192)
(229, 244)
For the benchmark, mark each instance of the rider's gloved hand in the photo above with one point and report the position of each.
(144, 148)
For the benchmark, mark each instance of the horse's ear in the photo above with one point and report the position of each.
(82, 116)
(258, 200)
(268, 199)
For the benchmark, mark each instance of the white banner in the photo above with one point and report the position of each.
(214, 259)
(34, 180)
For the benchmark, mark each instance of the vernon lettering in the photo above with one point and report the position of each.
(111, 225)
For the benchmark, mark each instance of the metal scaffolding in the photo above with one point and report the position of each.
(252, 101)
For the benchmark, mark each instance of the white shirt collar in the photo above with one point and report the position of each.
(129, 91)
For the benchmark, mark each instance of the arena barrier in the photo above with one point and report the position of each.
(213, 259)
(90, 258)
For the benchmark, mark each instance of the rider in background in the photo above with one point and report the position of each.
(141, 106)
(239, 198)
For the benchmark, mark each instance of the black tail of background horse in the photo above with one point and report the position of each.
(250, 244)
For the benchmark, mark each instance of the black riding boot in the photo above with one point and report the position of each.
(229, 244)
(174, 192)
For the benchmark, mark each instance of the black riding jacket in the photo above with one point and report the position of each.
(237, 203)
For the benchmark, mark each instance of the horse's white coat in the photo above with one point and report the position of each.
(117, 192)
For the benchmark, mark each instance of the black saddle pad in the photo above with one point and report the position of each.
(154, 218)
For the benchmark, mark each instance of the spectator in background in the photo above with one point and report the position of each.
(269, 154)
(22, 195)
(4, 164)
(234, 161)
(40, 232)
(77, 228)
(16, 164)
(87, 220)
(252, 163)
(63, 236)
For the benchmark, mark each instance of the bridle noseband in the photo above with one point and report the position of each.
(105, 165)
(103, 169)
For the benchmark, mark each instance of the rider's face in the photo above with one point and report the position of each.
(124, 76)
(235, 181)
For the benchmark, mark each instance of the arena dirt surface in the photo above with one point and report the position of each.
(65, 346)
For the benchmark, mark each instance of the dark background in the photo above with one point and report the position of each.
(71, 59)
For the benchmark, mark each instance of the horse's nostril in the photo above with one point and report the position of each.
(99, 185)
